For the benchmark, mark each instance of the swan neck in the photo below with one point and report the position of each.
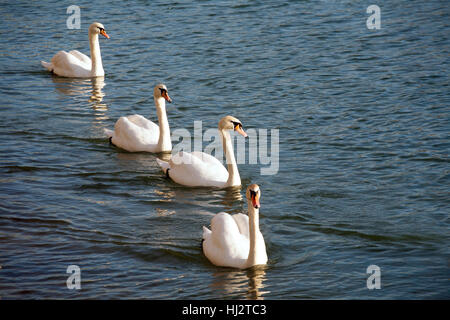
(96, 57)
(164, 141)
(234, 178)
(253, 221)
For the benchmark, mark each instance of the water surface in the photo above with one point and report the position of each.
(363, 117)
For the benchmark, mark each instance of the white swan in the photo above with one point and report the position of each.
(236, 241)
(199, 169)
(136, 133)
(77, 65)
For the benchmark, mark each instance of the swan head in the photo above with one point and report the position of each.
(98, 28)
(253, 195)
(231, 123)
(161, 91)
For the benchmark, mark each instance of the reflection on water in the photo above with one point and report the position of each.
(98, 83)
(166, 195)
(228, 197)
(136, 161)
(231, 283)
(92, 87)
(164, 212)
(72, 86)
(231, 195)
(165, 156)
(256, 277)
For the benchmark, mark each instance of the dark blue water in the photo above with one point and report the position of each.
(363, 120)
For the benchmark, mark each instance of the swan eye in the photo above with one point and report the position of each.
(253, 193)
(237, 125)
(163, 90)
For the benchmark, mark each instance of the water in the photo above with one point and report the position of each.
(363, 117)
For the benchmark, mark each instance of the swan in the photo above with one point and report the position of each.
(199, 169)
(136, 133)
(76, 64)
(236, 241)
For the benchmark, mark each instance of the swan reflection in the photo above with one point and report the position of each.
(138, 162)
(98, 84)
(92, 88)
(164, 212)
(233, 284)
(229, 199)
(256, 278)
(72, 86)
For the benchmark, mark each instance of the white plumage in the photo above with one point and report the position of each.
(235, 240)
(135, 133)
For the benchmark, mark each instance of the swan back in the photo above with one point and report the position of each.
(225, 245)
(197, 169)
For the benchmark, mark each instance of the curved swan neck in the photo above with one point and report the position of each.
(234, 178)
(164, 141)
(96, 57)
(253, 224)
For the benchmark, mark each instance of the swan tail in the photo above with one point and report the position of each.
(163, 164)
(109, 133)
(206, 232)
(47, 65)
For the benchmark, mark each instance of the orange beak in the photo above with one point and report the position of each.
(241, 131)
(165, 95)
(103, 33)
(255, 201)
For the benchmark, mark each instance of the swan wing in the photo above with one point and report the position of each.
(144, 123)
(224, 245)
(207, 158)
(163, 164)
(81, 56)
(197, 169)
(67, 65)
(47, 65)
(109, 133)
(135, 133)
(242, 223)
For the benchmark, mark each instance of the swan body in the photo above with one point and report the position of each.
(75, 64)
(235, 240)
(135, 133)
(195, 169)
(199, 169)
